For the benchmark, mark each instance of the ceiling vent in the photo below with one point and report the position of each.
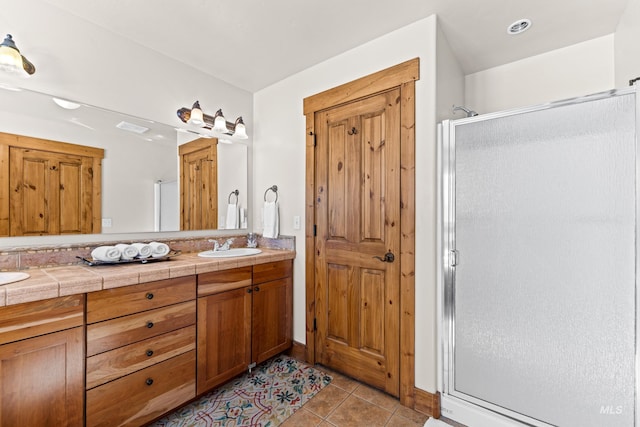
(130, 127)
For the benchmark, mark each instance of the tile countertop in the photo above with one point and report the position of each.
(61, 281)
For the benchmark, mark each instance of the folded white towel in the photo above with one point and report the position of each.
(159, 249)
(270, 220)
(231, 221)
(144, 249)
(106, 253)
(127, 251)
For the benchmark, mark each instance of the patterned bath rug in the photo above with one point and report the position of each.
(265, 398)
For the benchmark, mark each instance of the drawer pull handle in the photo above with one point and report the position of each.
(149, 295)
(149, 353)
(149, 381)
(149, 325)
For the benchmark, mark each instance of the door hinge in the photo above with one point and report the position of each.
(315, 324)
(453, 258)
(315, 142)
(315, 230)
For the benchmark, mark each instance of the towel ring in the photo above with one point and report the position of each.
(236, 192)
(273, 188)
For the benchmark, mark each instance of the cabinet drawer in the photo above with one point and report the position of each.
(122, 361)
(110, 303)
(272, 271)
(147, 394)
(31, 319)
(224, 280)
(111, 334)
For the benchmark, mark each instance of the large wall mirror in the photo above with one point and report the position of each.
(140, 171)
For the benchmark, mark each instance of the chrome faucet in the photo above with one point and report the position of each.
(218, 247)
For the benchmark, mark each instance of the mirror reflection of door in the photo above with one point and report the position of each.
(198, 184)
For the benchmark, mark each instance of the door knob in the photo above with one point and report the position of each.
(388, 257)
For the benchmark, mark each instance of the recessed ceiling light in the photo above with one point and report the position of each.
(66, 104)
(520, 26)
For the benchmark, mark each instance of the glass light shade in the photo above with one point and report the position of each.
(11, 60)
(241, 130)
(196, 117)
(220, 123)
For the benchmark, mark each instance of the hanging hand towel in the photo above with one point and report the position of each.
(270, 220)
(232, 216)
(159, 249)
(127, 251)
(144, 249)
(106, 253)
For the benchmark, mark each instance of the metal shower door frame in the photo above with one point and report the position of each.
(449, 256)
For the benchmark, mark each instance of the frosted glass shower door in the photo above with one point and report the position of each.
(542, 299)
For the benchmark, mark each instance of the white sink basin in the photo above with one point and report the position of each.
(12, 276)
(233, 252)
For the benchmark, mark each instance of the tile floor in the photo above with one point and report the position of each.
(346, 402)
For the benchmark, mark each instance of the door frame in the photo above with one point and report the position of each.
(402, 76)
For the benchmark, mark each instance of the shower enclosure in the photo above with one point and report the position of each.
(539, 264)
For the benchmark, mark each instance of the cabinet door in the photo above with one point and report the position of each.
(272, 318)
(224, 337)
(41, 380)
(51, 193)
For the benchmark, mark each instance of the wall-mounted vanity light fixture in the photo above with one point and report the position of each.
(11, 60)
(216, 123)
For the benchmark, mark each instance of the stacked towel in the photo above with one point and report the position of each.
(270, 220)
(232, 216)
(106, 253)
(127, 251)
(144, 250)
(159, 249)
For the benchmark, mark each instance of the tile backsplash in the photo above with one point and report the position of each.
(67, 254)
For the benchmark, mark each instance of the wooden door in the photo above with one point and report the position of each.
(52, 193)
(358, 228)
(42, 380)
(199, 185)
(272, 313)
(224, 337)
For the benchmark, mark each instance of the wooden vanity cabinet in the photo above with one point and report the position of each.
(140, 345)
(41, 363)
(244, 317)
(272, 309)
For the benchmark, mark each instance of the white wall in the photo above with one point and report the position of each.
(577, 70)
(627, 49)
(279, 158)
(450, 80)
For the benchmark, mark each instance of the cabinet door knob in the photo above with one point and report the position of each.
(149, 325)
(249, 290)
(149, 381)
(257, 288)
(149, 353)
(149, 295)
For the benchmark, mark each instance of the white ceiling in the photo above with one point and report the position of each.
(254, 43)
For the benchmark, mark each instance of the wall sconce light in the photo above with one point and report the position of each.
(216, 123)
(11, 60)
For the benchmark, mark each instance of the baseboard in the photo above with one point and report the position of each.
(427, 403)
(298, 351)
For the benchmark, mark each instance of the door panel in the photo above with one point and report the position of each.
(358, 211)
(198, 184)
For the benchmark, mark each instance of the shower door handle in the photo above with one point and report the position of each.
(388, 257)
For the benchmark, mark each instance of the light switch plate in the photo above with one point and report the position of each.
(296, 222)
